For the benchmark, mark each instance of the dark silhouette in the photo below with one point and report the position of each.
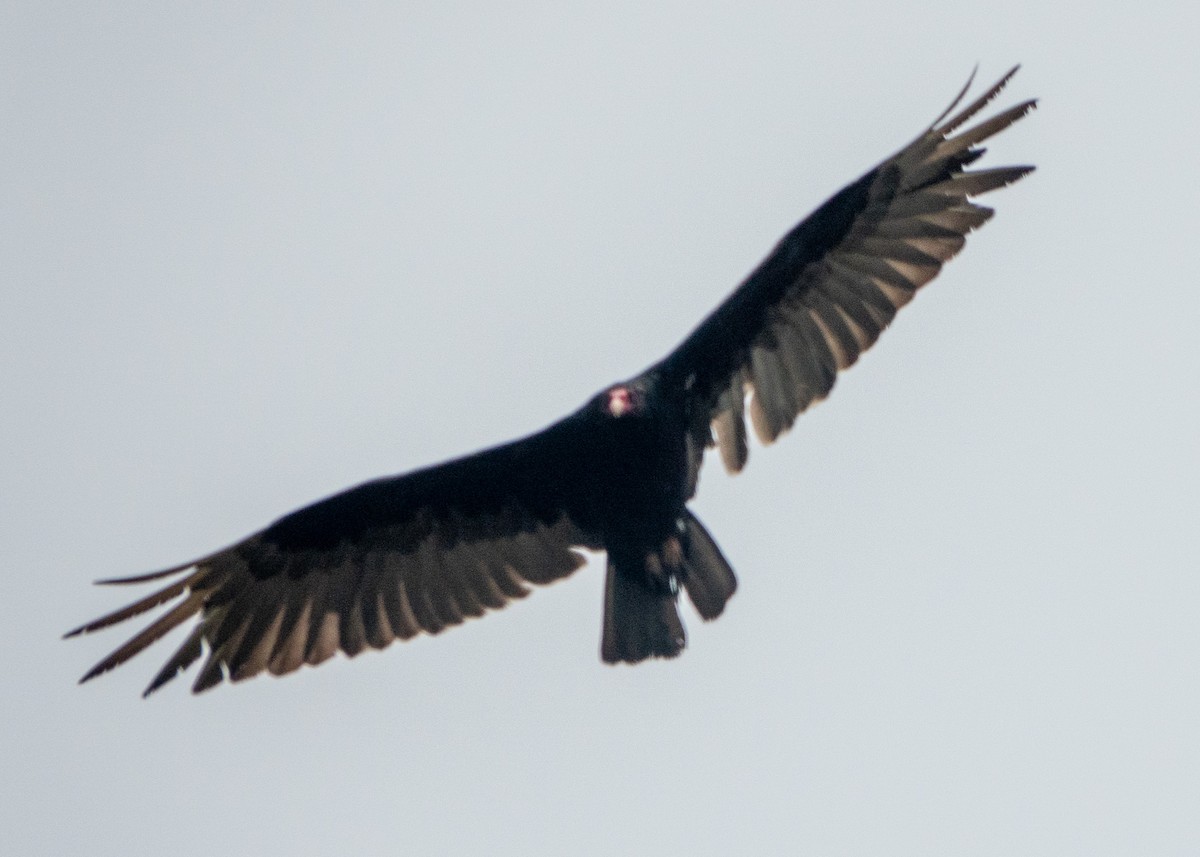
(425, 550)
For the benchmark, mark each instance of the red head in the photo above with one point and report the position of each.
(621, 400)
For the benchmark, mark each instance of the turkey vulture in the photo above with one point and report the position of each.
(425, 550)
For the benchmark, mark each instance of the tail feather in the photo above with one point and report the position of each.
(641, 615)
(639, 622)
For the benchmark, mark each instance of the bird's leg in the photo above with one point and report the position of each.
(672, 553)
(664, 566)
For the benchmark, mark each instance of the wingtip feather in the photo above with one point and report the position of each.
(145, 578)
(957, 98)
(975, 106)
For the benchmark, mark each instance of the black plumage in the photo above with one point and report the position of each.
(425, 550)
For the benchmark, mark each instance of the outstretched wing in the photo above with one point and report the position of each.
(383, 561)
(833, 283)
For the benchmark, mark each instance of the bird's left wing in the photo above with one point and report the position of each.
(833, 283)
(383, 561)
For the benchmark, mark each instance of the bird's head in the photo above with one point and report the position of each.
(621, 400)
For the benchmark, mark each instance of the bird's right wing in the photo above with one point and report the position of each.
(834, 282)
(384, 561)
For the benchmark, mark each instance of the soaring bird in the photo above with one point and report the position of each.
(425, 550)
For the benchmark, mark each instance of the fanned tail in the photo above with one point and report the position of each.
(641, 620)
(641, 614)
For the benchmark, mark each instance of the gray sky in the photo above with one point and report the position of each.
(251, 257)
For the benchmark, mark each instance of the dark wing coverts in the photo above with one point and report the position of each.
(833, 283)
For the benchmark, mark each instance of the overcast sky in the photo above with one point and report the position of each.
(251, 256)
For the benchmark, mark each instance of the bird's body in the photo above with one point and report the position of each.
(425, 550)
